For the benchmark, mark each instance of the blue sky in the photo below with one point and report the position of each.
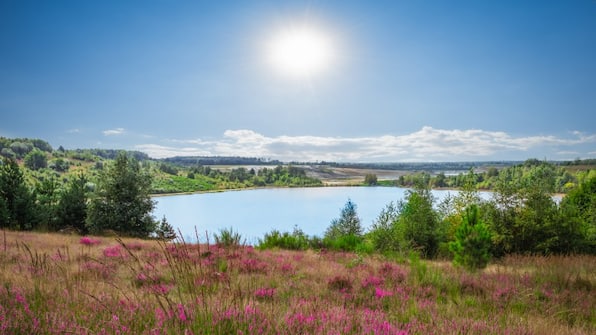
(410, 80)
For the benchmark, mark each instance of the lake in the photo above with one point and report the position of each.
(255, 212)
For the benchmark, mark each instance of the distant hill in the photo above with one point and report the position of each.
(191, 161)
(41, 161)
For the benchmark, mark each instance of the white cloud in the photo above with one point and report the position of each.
(110, 132)
(427, 144)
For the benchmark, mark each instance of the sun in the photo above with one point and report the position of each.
(300, 52)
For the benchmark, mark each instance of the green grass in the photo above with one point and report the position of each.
(164, 183)
(57, 284)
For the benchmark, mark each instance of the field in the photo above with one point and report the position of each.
(59, 284)
(335, 176)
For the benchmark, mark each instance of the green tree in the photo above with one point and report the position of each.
(168, 168)
(21, 148)
(60, 165)
(578, 209)
(370, 179)
(384, 233)
(47, 193)
(41, 145)
(469, 193)
(419, 222)
(471, 248)
(17, 202)
(500, 214)
(441, 180)
(36, 159)
(8, 153)
(531, 225)
(121, 202)
(347, 224)
(523, 217)
(165, 231)
(72, 207)
(492, 172)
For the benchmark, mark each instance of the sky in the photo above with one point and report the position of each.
(399, 80)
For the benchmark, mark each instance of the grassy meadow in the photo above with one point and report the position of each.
(62, 284)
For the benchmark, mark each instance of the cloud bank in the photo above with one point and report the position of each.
(426, 144)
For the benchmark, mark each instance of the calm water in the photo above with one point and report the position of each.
(253, 213)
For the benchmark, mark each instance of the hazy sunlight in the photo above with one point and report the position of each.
(300, 52)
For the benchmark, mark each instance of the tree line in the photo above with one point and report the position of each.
(19, 148)
(192, 161)
(118, 202)
(558, 176)
(277, 176)
(41, 162)
(522, 217)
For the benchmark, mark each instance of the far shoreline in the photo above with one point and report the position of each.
(250, 188)
(160, 195)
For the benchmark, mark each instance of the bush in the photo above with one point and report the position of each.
(297, 240)
(370, 179)
(350, 242)
(228, 238)
(36, 160)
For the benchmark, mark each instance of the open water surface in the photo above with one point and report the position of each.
(255, 212)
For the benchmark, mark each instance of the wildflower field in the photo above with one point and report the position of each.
(57, 284)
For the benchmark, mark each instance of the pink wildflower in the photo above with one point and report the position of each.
(372, 281)
(114, 251)
(160, 316)
(20, 298)
(381, 293)
(287, 268)
(250, 310)
(181, 313)
(86, 240)
(251, 265)
(264, 293)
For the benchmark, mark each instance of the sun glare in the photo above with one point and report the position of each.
(300, 52)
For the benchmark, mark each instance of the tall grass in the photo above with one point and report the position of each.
(54, 284)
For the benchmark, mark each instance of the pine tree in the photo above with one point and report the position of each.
(471, 248)
(17, 202)
(165, 231)
(72, 208)
(347, 224)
